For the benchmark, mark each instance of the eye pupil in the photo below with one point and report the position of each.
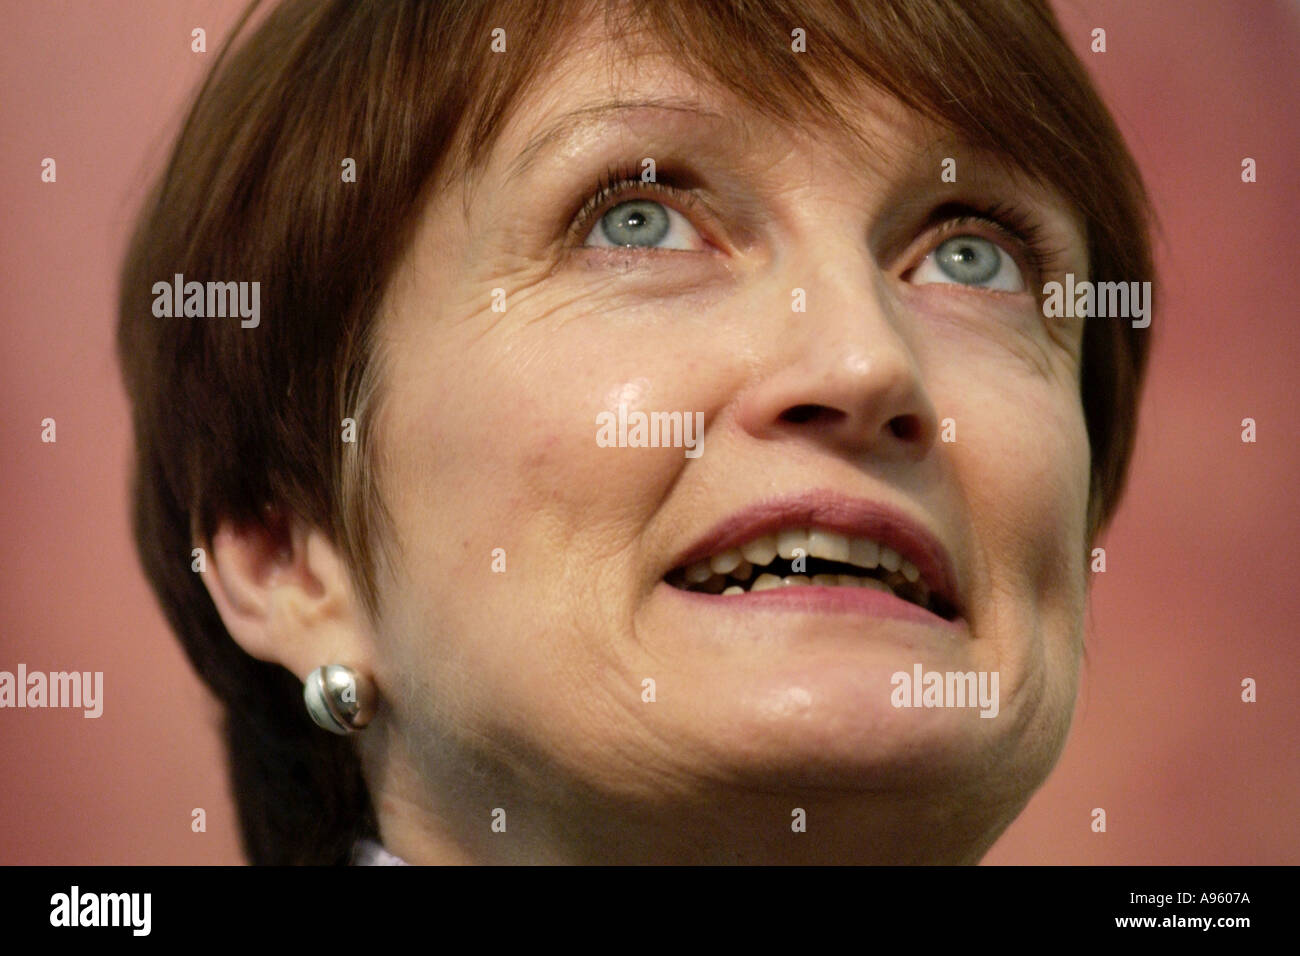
(639, 222)
(968, 259)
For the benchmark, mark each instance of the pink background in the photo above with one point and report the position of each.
(1199, 591)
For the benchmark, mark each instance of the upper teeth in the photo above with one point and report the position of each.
(808, 542)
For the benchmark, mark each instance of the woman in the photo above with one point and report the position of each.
(651, 445)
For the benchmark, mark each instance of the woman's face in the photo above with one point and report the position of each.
(918, 394)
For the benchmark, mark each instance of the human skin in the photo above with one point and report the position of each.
(522, 690)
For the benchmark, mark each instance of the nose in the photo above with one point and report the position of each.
(842, 373)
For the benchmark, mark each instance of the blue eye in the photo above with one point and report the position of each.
(643, 223)
(973, 261)
(635, 223)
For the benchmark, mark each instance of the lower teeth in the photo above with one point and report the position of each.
(732, 584)
(768, 582)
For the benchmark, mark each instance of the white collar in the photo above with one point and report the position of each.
(369, 853)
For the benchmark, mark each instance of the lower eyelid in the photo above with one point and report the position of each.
(960, 289)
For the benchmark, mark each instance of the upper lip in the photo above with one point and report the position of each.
(830, 511)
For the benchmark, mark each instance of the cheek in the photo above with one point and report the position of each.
(1021, 466)
(1031, 448)
(1020, 448)
(517, 526)
(1027, 472)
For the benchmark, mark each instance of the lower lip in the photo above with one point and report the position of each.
(820, 600)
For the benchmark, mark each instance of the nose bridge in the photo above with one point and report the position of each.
(849, 309)
(843, 369)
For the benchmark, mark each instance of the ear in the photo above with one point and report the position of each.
(283, 591)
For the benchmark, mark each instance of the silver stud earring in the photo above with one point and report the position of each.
(339, 699)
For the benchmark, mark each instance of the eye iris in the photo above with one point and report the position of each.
(635, 223)
(968, 259)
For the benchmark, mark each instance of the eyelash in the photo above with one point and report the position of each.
(616, 182)
(1011, 222)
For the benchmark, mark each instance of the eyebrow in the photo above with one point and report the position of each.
(570, 123)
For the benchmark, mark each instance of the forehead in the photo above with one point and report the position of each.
(612, 78)
(626, 87)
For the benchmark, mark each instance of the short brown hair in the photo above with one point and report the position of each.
(230, 420)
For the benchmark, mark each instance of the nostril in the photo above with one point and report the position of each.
(802, 414)
(905, 427)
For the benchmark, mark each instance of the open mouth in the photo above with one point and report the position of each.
(803, 557)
